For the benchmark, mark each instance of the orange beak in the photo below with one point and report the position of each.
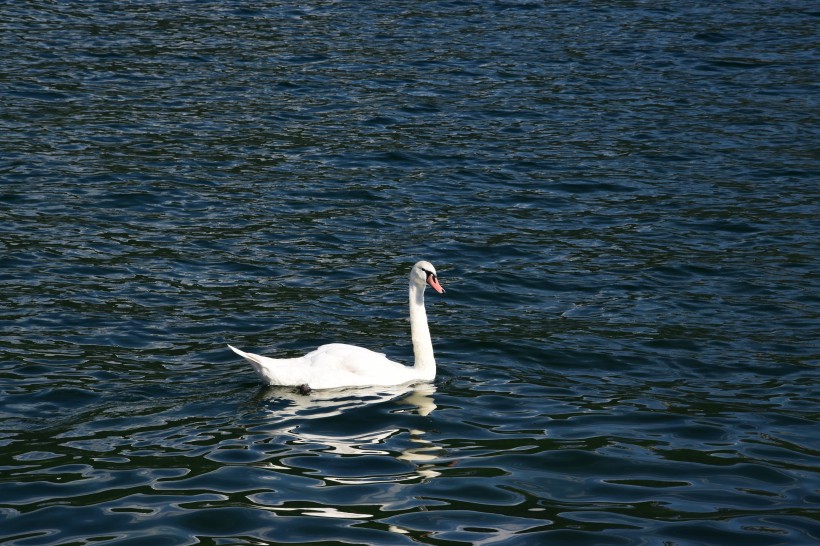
(432, 280)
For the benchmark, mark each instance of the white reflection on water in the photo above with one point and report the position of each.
(290, 409)
(289, 403)
(322, 512)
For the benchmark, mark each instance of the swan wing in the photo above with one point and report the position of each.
(330, 366)
(341, 365)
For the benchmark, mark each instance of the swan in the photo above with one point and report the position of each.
(338, 365)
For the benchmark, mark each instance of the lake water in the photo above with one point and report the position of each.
(621, 199)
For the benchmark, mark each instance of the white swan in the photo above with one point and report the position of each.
(339, 365)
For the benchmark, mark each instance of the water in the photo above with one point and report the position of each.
(621, 199)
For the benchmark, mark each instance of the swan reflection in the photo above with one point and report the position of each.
(288, 403)
(291, 410)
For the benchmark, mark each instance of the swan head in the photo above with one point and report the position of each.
(423, 273)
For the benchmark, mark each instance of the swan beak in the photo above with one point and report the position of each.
(432, 280)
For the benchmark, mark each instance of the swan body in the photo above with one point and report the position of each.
(339, 365)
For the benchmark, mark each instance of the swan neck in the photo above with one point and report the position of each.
(420, 332)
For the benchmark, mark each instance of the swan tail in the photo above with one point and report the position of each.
(247, 356)
(274, 371)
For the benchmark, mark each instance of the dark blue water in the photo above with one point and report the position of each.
(621, 199)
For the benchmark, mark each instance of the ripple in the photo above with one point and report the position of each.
(621, 201)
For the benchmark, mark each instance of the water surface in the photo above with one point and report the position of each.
(621, 200)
